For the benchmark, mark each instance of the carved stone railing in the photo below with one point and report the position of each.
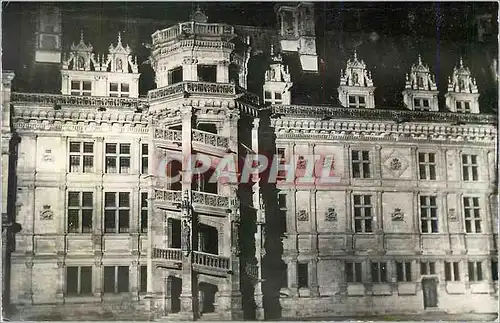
(381, 114)
(192, 88)
(167, 254)
(210, 260)
(210, 139)
(168, 134)
(190, 28)
(248, 96)
(209, 199)
(75, 100)
(252, 271)
(168, 195)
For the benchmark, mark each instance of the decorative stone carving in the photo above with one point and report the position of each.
(396, 163)
(236, 238)
(186, 236)
(452, 216)
(397, 215)
(188, 60)
(303, 215)
(47, 156)
(46, 213)
(331, 214)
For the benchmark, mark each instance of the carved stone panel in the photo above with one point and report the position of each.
(303, 215)
(46, 213)
(397, 215)
(331, 214)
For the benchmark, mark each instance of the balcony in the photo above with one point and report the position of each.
(169, 138)
(51, 100)
(191, 28)
(210, 203)
(168, 198)
(208, 139)
(169, 256)
(210, 264)
(204, 88)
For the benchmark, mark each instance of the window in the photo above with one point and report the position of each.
(403, 271)
(494, 270)
(360, 164)
(451, 272)
(282, 209)
(81, 88)
(475, 271)
(303, 275)
(357, 101)
(116, 279)
(472, 215)
(119, 90)
(469, 167)
(282, 161)
(421, 104)
(175, 75)
(428, 214)
(81, 157)
(78, 281)
(427, 268)
(143, 284)
(116, 212)
(273, 97)
(122, 157)
(463, 106)
(144, 212)
(362, 213)
(207, 73)
(427, 165)
(379, 272)
(353, 271)
(80, 209)
(144, 159)
(277, 97)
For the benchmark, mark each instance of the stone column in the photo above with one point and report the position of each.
(151, 214)
(377, 163)
(314, 277)
(97, 277)
(348, 221)
(189, 69)
(292, 276)
(134, 278)
(379, 221)
(223, 71)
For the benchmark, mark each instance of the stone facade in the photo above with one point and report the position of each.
(411, 222)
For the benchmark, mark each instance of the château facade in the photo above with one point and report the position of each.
(410, 226)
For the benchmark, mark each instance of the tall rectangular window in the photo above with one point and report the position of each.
(80, 210)
(303, 274)
(421, 104)
(353, 272)
(494, 270)
(282, 212)
(379, 272)
(175, 75)
(428, 214)
(116, 279)
(81, 88)
(427, 268)
(427, 165)
(119, 90)
(475, 270)
(469, 168)
(143, 284)
(360, 161)
(117, 158)
(462, 106)
(116, 212)
(403, 271)
(144, 212)
(363, 217)
(144, 159)
(280, 152)
(357, 101)
(81, 157)
(472, 216)
(451, 271)
(79, 281)
(207, 73)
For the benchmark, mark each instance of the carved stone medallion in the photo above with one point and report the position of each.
(397, 215)
(303, 215)
(331, 214)
(46, 213)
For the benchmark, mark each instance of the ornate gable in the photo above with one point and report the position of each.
(81, 57)
(356, 85)
(356, 73)
(120, 59)
(462, 81)
(278, 81)
(421, 91)
(463, 94)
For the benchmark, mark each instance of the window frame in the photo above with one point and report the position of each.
(429, 167)
(144, 158)
(116, 282)
(79, 284)
(143, 220)
(117, 156)
(452, 269)
(80, 208)
(303, 281)
(475, 271)
(356, 103)
(117, 210)
(380, 268)
(404, 271)
(472, 214)
(470, 167)
(429, 266)
(81, 91)
(356, 277)
(421, 104)
(82, 156)
(429, 218)
(362, 206)
(360, 163)
(463, 106)
(143, 279)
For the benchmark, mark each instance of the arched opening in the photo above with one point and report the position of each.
(174, 286)
(203, 182)
(173, 171)
(206, 294)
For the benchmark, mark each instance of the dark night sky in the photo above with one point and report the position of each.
(439, 31)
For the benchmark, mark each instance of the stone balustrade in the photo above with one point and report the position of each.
(192, 88)
(167, 254)
(210, 260)
(168, 195)
(46, 99)
(209, 199)
(190, 28)
(168, 134)
(210, 139)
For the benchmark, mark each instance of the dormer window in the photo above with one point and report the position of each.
(273, 97)
(357, 101)
(119, 90)
(421, 104)
(463, 106)
(81, 88)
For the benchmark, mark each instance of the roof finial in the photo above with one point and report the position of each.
(81, 36)
(461, 62)
(419, 59)
(119, 37)
(355, 55)
(272, 50)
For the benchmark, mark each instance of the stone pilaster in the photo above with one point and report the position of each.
(60, 279)
(223, 71)
(189, 69)
(292, 276)
(97, 278)
(313, 275)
